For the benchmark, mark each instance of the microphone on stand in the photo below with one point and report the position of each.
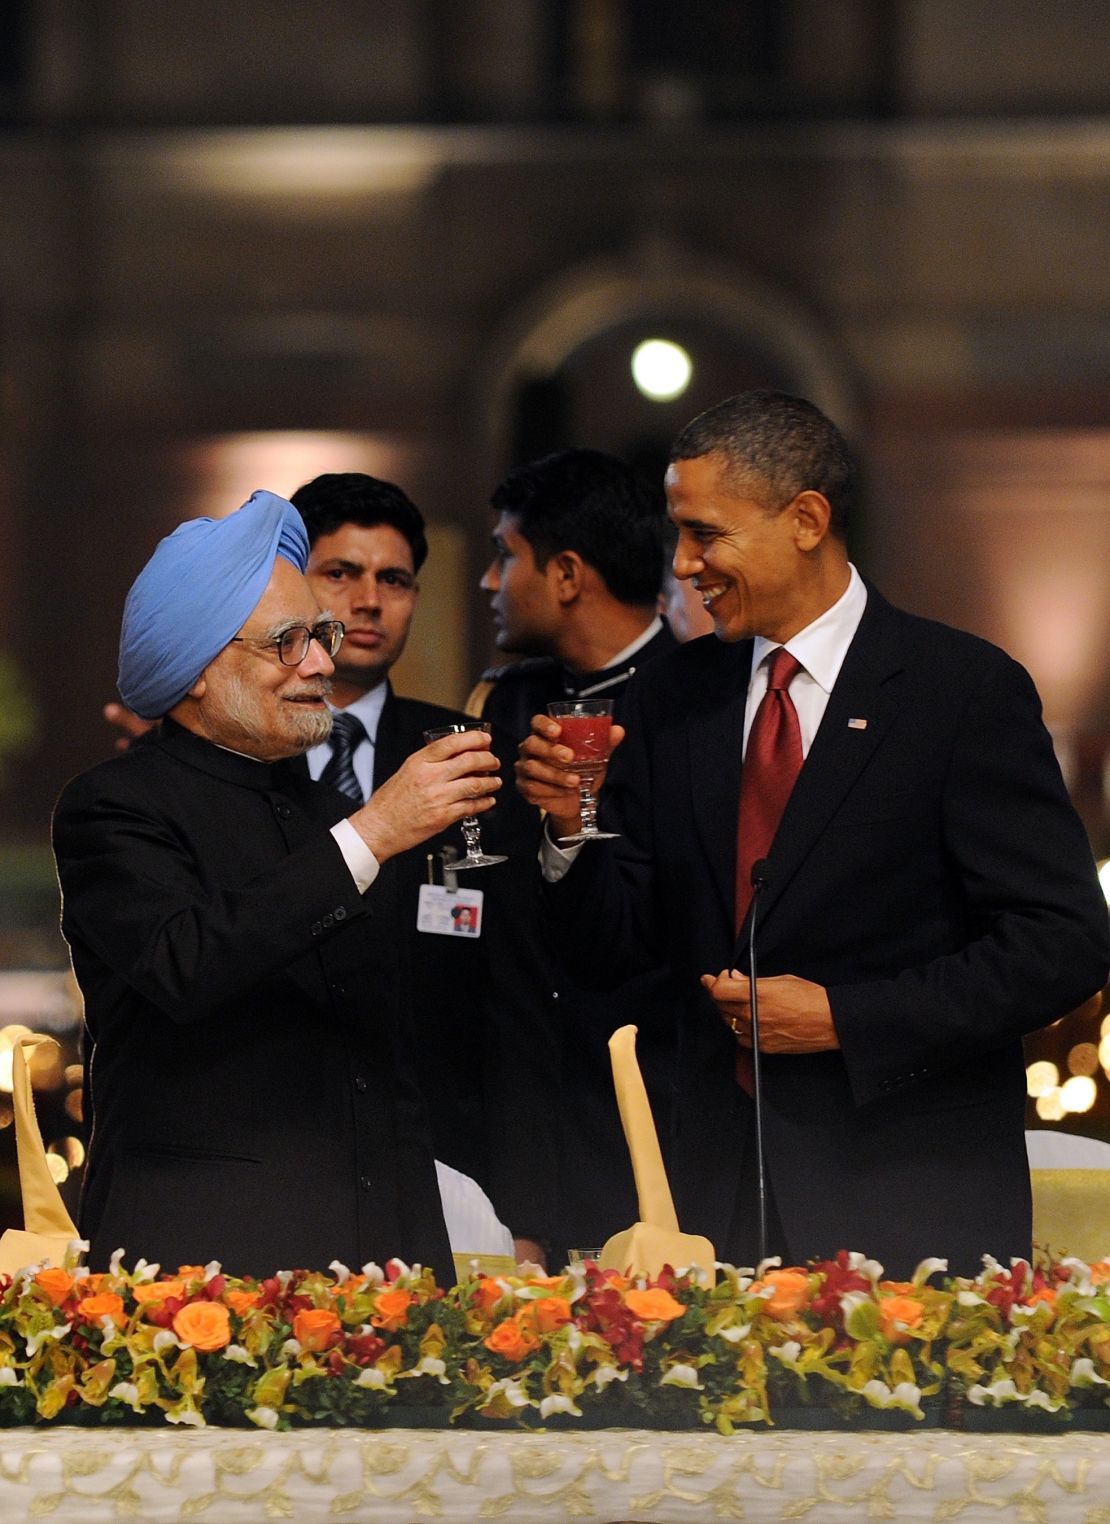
(761, 877)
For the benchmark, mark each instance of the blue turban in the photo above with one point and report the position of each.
(198, 589)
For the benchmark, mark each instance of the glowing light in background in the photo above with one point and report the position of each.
(661, 369)
(229, 468)
(1078, 1093)
(1083, 1058)
(1041, 1078)
(1050, 1107)
(1104, 880)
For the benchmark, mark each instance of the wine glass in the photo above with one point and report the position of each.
(472, 834)
(585, 726)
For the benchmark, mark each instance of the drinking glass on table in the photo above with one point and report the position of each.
(472, 833)
(585, 726)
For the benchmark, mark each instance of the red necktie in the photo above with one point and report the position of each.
(771, 766)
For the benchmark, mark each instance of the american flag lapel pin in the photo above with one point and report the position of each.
(857, 724)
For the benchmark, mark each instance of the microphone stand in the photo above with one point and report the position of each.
(760, 879)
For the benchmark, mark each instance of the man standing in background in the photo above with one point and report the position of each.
(574, 588)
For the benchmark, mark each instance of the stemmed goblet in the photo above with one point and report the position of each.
(472, 833)
(585, 726)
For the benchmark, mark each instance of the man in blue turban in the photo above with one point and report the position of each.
(230, 926)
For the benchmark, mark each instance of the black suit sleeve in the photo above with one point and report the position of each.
(1018, 872)
(136, 896)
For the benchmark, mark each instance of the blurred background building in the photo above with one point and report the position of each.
(245, 241)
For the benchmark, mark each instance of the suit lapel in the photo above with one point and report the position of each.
(391, 745)
(866, 689)
(715, 734)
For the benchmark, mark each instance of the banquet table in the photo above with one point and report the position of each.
(225, 1476)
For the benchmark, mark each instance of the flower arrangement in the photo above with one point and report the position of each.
(835, 1339)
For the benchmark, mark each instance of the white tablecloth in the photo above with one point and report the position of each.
(228, 1476)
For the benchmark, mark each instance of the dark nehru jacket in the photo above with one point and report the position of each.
(248, 1086)
(599, 1195)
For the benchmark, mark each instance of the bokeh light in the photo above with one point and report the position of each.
(1078, 1093)
(661, 369)
(1041, 1078)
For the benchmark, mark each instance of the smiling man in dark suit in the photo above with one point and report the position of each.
(930, 894)
(249, 1066)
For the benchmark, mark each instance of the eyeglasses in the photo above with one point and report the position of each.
(292, 644)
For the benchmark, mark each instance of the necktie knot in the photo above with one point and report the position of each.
(782, 669)
(347, 730)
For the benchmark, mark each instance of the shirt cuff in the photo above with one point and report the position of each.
(361, 862)
(555, 861)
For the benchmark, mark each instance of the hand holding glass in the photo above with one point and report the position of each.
(472, 834)
(585, 726)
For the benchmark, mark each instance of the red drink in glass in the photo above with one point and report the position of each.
(588, 737)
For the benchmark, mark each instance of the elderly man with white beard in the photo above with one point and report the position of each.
(248, 1050)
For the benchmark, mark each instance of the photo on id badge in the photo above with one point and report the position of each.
(450, 912)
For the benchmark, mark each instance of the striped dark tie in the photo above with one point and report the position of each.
(347, 731)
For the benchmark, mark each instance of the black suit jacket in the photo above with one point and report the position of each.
(484, 1047)
(249, 1092)
(929, 872)
(598, 1189)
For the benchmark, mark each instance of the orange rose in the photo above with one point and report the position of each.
(1100, 1271)
(656, 1306)
(513, 1340)
(549, 1282)
(391, 1309)
(791, 1291)
(103, 1304)
(550, 1313)
(1045, 1294)
(191, 1272)
(204, 1325)
(316, 1328)
(898, 1288)
(241, 1301)
(56, 1284)
(898, 1314)
(488, 1294)
(157, 1291)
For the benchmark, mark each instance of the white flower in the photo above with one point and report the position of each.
(698, 1275)
(165, 1339)
(126, 1391)
(929, 1267)
(1038, 1399)
(574, 1338)
(970, 1299)
(283, 1278)
(189, 1417)
(432, 1366)
(558, 1404)
(373, 1273)
(265, 1418)
(788, 1352)
(36, 1340)
(681, 1375)
(905, 1396)
(606, 1373)
(773, 1262)
(863, 1266)
(997, 1393)
(116, 1261)
(402, 1270)
(734, 1332)
(340, 1271)
(511, 1390)
(1083, 1373)
(291, 1349)
(144, 1272)
(239, 1356)
(107, 1323)
(371, 1377)
(211, 1270)
(8, 1376)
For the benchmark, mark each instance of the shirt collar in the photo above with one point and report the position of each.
(822, 646)
(582, 684)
